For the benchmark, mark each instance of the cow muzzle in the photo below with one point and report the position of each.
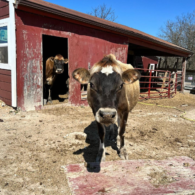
(106, 116)
(59, 71)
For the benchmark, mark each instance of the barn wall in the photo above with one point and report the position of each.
(149, 60)
(4, 9)
(5, 86)
(86, 46)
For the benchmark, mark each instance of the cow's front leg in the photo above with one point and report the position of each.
(67, 84)
(49, 96)
(102, 151)
(50, 82)
(121, 130)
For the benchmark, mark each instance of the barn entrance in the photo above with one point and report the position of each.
(51, 46)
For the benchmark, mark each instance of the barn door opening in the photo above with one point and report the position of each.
(52, 46)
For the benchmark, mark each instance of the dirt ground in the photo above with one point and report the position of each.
(34, 146)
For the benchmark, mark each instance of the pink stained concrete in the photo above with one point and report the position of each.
(133, 177)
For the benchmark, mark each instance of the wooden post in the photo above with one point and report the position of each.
(158, 66)
(176, 83)
(159, 63)
(183, 74)
(169, 86)
(165, 63)
(149, 83)
(177, 64)
(164, 80)
(174, 80)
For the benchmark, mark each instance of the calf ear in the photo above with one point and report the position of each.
(66, 61)
(81, 75)
(131, 75)
(52, 59)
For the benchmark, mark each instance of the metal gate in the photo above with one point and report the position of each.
(159, 83)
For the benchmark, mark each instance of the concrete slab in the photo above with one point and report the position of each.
(133, 177)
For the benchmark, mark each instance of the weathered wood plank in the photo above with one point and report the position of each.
(5, 94)
(5, 72)
(5, 78)
(7, 101)
(5, 86)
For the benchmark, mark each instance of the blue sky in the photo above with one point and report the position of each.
(144, 15)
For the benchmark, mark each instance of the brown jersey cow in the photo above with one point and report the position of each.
(54, 66)
(113, 91)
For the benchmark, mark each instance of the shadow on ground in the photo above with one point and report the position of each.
(90, 152)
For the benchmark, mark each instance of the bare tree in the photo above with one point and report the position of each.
(104, 12)
(182, 33)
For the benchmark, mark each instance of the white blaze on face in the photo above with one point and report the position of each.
(107, 70)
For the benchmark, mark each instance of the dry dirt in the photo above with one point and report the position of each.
(34, 146)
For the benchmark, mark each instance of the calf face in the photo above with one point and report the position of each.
(106, 86)
(59, 63)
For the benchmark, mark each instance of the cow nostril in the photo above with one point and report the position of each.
(107, 115)
(101, 114)
(113, 114)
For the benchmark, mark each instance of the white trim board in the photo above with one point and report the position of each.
(12, 51)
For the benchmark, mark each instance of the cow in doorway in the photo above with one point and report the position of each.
(54, 66)
(113, 91)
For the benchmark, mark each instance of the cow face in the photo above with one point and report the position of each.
(59, 63)
(105, 87)
(105, 91)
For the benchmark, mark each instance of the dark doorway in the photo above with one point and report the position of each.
(51, 47)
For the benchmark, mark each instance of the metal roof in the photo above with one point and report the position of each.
(95, 21)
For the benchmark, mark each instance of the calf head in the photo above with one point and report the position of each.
(59, 63)
(105, 86)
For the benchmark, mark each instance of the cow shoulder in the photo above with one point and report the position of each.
(49, 66)
(132, 90)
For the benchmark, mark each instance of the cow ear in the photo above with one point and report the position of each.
(52, 59)
(81, 75)
(66, 61)
(131, 75)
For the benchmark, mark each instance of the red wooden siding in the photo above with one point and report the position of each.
(4, 9)
(85, 45)
(5, 86)
(149, 60)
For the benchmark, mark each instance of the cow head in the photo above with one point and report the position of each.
(105, 86)
(59, 63)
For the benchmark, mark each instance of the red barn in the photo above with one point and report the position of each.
(145, 61)
(33, 30)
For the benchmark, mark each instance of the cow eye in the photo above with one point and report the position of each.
(91, 85)
(121, 86)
